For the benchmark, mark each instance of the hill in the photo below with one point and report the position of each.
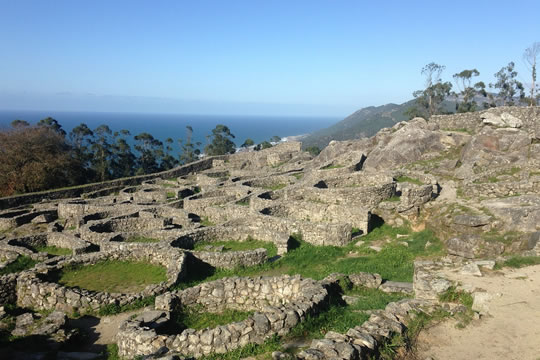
(360, 124)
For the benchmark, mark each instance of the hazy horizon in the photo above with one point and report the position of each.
(280, 58)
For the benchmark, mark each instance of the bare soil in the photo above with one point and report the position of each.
(511, 330)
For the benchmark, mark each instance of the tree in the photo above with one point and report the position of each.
(275, 139)
(189, 151)
(53, 124)
(313, 150)
(19, 123)
(102, 152)
(467, 92)
(34, 158)
(168, 161)
(221, 142)
(151, 151)
(81, 139)
(263, 145)
(509, 87)
(249, 142)
(428, 102)
(124, 161)
(530, 56)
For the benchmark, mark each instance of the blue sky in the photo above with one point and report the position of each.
(248, 57)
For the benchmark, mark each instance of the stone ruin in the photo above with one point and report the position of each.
(274, 195)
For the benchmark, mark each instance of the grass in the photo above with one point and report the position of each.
(20, 264)
(401, 179)
(206, 222)
(195, 317)
(250, 350)
(243, 202)
(113, 276)
(506, 238)
(111, 352)
(231, 245)
(393, 262)
(141, 239)
(394, 198)
(340, 317)
(298, 176)
(274, 187)
(171, 195)
(113, 309)
(453, 295)
(329, 167)
(462, 130)
(53, 250)
(519, 261)
(400, 346)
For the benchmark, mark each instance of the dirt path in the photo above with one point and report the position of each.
(510, 331)
(101, 331)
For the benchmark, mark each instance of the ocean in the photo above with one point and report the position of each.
(162, 126)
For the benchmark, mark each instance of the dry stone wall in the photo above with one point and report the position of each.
(279, 303)
(36, 288)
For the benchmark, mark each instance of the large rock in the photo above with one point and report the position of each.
(503, 120)
(366, 279)
(406, 145)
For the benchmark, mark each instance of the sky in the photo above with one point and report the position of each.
(251, 57)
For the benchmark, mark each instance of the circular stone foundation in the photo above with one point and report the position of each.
(278, 303)
(37, 288)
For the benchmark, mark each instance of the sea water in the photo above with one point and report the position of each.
(163, 126)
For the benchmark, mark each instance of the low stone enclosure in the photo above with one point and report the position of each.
(279, 303)
(36, 288)
(472, 177)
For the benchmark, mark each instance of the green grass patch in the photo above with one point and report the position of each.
(453, 295)
(519, 261)
(330, 167)
(248, 351)
(243, 202)
(206, 222)
(394, 198)
(274, 187)
(461, 130)
(53, 250)
(194, 317)
(402, 179)
(231, 245)
(506, 238)
(340, 317)
(298, 176)
(111, 353)
(113, 276)
(113, 309)
(20, 264)
(393, 262)
(171, 195)
(141, 239)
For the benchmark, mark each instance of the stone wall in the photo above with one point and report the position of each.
(67, 241)
(280, 303)
(311, 211)
(8, 292)
(473, 121)
(367, 197)
(232, 259)
(18, 200)
(35, 288)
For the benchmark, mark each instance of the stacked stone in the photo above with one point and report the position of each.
(232, 259)
(280, 304)
(8, 290)
(36, 291)
(363, 341)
